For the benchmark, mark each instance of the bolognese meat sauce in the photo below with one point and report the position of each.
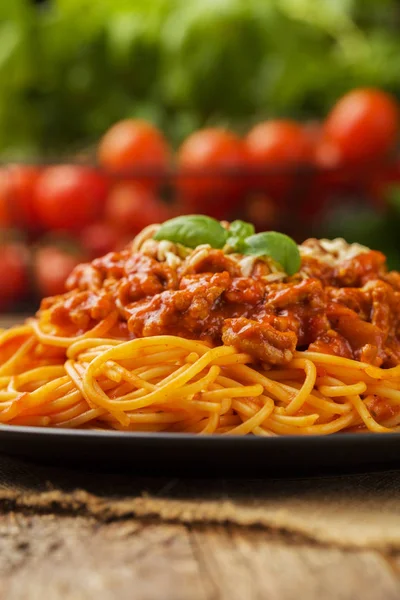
(343, 301)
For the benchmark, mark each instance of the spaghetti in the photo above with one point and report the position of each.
(169, 383)
(256, 354)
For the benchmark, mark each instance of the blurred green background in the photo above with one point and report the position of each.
(71, 68)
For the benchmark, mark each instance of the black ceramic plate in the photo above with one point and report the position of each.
(199, 454)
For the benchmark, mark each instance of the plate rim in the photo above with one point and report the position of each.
(160, 436)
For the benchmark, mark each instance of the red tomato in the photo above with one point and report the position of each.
(130, 207)
(274, 149)
(363, 125)
(52, 268)
(13, 274)
(99, 238)
(210, 162)
(68, 197)
(22, 185)
(133, 144)
(278, 143)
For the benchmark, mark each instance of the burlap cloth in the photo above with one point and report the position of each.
(358, 510)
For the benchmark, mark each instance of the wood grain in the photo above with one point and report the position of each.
(64, 558)
(246, 565)
(74, 559)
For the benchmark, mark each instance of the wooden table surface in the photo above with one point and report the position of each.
(173, 562)
(52, 551)
(65, 557)
(124, 536)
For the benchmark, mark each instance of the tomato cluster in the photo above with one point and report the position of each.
(74, 212)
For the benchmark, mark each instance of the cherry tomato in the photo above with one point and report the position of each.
(211, 164)
(17, 191)
(13, 273)
(22, 184)
(99, 238)
(133, 145)
(68, 197)
(275, 149)
(52, 267)
(130, 207)
(278, 143)
(363, 125)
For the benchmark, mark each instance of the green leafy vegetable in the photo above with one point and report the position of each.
(278, 246)
(241, 229)
(192, 231)
(238, 232)
(70, 68)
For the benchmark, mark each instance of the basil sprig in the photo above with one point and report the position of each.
(194, 230)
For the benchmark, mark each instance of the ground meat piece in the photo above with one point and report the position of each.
(139, 263)
(385, 304)
(359, 333)
(304, 305)
(308, 291)
(331, 342)
(369, 354)
(260, 340)
(354, 298)
(85, 277)
(380, 408)
(359, 269)
(82, 310)
(113, 264)
(190, 311)
(202, 282)
(316, 269)
(98, 306)
(138, 286)
(393, 279)
(245, 290)
(392, 353)
(159, 315)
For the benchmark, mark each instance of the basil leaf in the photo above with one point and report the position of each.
(238, 231)
(278, 246)
(193, 230)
